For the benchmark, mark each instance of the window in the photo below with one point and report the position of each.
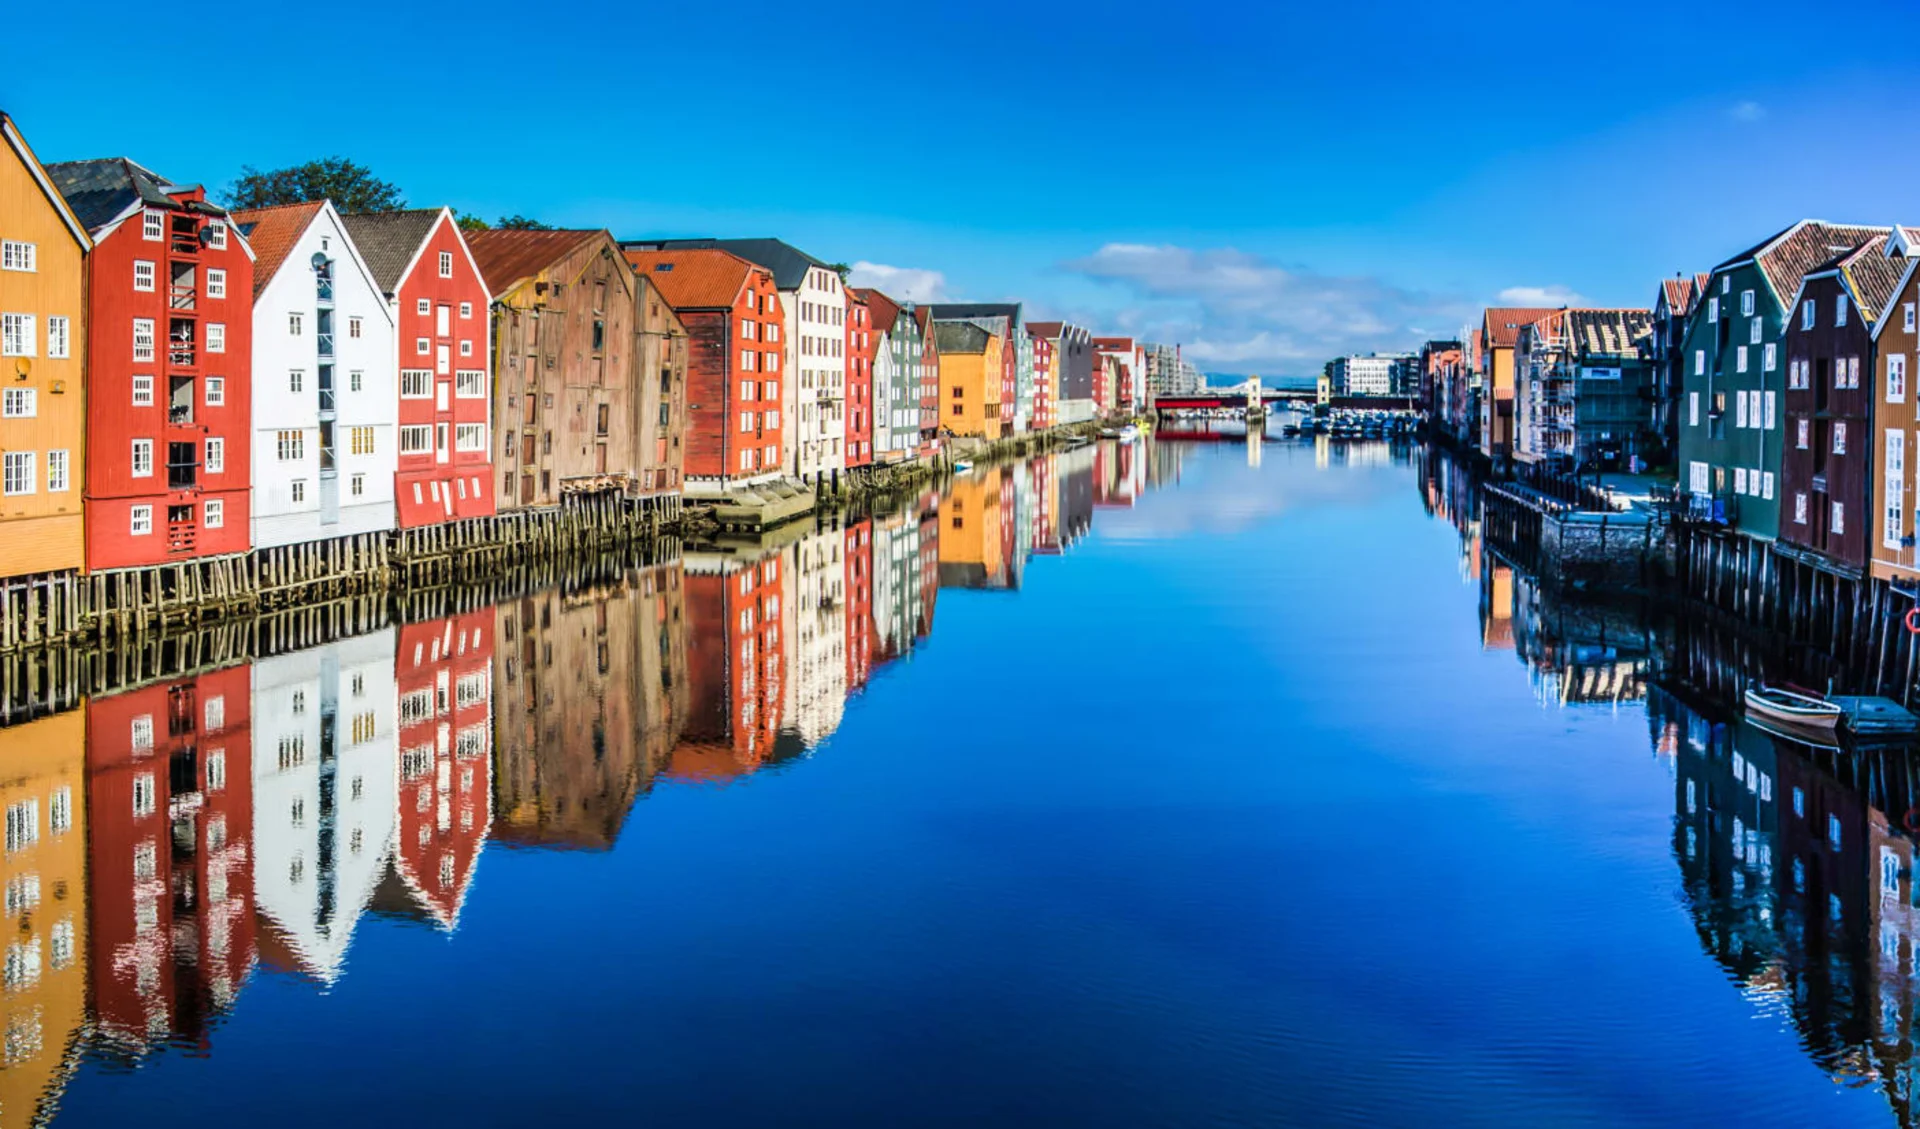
(1770, 358)
(143, 391)
(747, 360)
(357, 485)
(1805, 429)
(1746, 303)
(60, 810)
(746, 421)
(748, 331)
(416, 439)
(1839, 512)
(296, 379)
(1753, 332)
(466, 309)
(1766, 486)
(446, 264)
(215, 516)
(466, 348)
(1799, 509)
(1693, 409)
(773, 363)
(298, 490)
(216, 391)
(15, 255)
(296, 324)
(1699, 362)
(1806, 314)
(217, 236)
(1839, 437)
(355, 380)
(770, 390)
(152, 226)
(18, 473)
(772, 419)
(58, 481)
(16, 336)
(360, 440)
(1740, 480)
(143, 276)
(290, 445)
(423, 307)
(142, 458)
(1853, 372)
(216, 337)
(19, 403)
(422, 345)
(746, 460)
(141, 521)
(1896, 476)
(470, 384)
(353, 328)
(416, 384)
(59, 338)
(1713, 308)
(142, 339)
(1896, 377)
(1740, 409)
(216, 456)
(1769, 401)
(1839, 317)
(216, 283)
(1740, 359)
(23, 824)
(1697, 477)
(470, 437)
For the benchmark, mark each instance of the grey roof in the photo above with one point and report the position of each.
(99, 191)
(788, 264)
(960, 336)
(951, 311)
(388, 240)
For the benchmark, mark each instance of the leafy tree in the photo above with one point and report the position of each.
(352, 187)
(518, 222)
(841, 269)
(470, 222)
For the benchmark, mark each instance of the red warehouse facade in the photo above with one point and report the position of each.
(862, 345)
(420, 261)
(169, 368)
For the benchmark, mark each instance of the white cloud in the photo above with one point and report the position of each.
(1747, 111)
(1541, 296)
(1234, 310)
(905, 284)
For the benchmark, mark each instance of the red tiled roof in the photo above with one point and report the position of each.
(694, 278)
(1044, 329)
(273, 234)
(1679, 293)
(507, 255)
(1502, 324)
(1872, 276)
(1787, 257)
(884, 310)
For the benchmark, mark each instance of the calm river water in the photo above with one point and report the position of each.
(1169, 784)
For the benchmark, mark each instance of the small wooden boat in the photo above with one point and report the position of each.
(1795, 708)
(962, 466)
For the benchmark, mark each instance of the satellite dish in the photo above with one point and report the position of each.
(22, 366)
(319, 259)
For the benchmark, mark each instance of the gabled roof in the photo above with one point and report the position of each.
(951, 311)
(1615, 333)
(885, 310)
(1501, 326)
(787, 263)
(1869, 276)
(274, 232)
(390, 240)
(506, 256)
(961, 337)
(1787, 256)
(105, 190)
(1045, 330)
(1679, 294)
(694, 278)
(39, 173)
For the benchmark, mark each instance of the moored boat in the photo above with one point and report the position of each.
(1794, 708)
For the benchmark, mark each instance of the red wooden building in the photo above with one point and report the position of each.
(735, 327)
(444, 675)
(169, 368)
(1043, 381)
(421, 262)
(863, 344)
(170, 813)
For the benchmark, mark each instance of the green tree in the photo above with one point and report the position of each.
(518, 222)
(352, 187)
(470, 222)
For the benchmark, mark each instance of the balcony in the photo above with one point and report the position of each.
(182, 530)
(325, 343)
(182, 343)
(184, 241)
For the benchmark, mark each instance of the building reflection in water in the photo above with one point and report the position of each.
(590, 699)
(735, 663)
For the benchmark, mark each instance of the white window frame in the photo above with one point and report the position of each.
(145, 274)
(153, 225)
(214, 457)
(470, 437)
(424, 378)
(446, 264)
(470, 384)
(17, 473)
(216, 282)
(59, 337)
(17, 335)
(216, 337)
(141, 456)
(216, 392)
(216, 236)
(140, 521)
(18, 255)
(143, 391)
(213, 515)
(59, 471)
(19, 403)
(1894, 510)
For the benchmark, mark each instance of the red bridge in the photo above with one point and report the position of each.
(1306, 397)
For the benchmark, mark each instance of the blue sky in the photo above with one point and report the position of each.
(1269, 185)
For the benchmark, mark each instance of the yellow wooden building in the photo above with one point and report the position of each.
(43, 988)
(43, 253)
(970, 376)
